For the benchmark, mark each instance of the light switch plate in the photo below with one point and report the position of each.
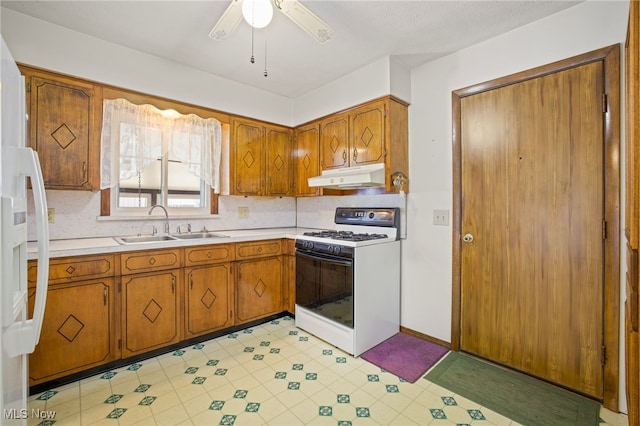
(441, 217)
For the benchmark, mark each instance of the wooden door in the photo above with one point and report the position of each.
(248, 148)
(533, 201)
(334, 142)
(61, 126)
(367, 126)
(632, 217)
(258, 288)
(77, 331)
(306, 159)
(151, 311)
(208, 299)
(279, 168)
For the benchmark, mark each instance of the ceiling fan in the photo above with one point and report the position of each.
(295, 11)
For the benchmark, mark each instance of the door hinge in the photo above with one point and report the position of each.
(604, 103)
(29, 87)
(604, 354)
(604, 229)
(119, 286)
(119, 343)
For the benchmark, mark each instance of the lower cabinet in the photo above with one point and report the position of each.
(101, 308)
(151, 311)
(258, 289)
(79, 327)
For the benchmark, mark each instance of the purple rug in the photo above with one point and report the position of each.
(406, 356)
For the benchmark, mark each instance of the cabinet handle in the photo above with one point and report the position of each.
(355, 154)
(344, 156)
(84, 170)
(104, 297)
(173, 285)
(191, 281)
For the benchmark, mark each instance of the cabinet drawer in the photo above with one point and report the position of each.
(258, 249)
(205, 255)
(147, 261)
(68, 269)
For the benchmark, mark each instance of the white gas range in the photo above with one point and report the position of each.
(348, 279)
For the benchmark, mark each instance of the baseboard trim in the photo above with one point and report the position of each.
(425, 337)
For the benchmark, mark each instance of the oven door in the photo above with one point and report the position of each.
(324, 285)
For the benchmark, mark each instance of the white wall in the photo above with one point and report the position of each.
(36, 42)
(386, 76)
(426, 269)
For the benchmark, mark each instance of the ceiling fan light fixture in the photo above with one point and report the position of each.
(257, 13)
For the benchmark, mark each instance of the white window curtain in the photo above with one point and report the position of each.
(134, 136)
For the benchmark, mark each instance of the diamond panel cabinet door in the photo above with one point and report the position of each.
(62, 128)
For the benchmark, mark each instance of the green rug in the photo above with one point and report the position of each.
(517, 396)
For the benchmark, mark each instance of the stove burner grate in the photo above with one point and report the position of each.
(345, 235)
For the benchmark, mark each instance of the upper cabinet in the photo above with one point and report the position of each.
(305, 154)
(374, 132)
(64, 129)
(261, 161)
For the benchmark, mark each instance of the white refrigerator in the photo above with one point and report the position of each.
(20, 332)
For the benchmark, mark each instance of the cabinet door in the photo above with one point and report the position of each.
(368, 134)
(61, 131)
(307, 163)
(77, 331)
(151, 311)
(279, 167)
(334, 140)
(209, 299)
(248, 142)
(258, 289)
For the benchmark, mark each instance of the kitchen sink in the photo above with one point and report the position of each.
(198, 235)
(143, 239)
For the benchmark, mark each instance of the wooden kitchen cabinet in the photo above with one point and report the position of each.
(79, 329)
(289, 249)
(64, 128)
(334, 141)
(152, 302)
(208, 289)
(261, 162)
(259, 285)
(306, 158)
(374, 132)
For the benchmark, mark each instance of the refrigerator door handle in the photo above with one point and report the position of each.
(21, 337)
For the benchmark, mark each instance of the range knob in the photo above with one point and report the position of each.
(371, 215)
(307, 244)
(334, 249)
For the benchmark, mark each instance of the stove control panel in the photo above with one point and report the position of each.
(374, 216)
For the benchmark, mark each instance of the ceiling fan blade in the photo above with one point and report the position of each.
(228, 21)
(306, 19)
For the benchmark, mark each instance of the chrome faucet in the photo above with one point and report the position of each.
(179, 228)
(166, 217)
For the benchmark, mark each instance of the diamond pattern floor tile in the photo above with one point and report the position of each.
(271, 374)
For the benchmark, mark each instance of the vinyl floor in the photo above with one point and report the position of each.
(271, 374)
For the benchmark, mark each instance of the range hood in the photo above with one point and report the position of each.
(370, 175)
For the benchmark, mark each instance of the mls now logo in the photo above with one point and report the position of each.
(15, 414)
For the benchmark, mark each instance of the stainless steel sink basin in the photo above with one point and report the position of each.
(143, 239)
(198, 235)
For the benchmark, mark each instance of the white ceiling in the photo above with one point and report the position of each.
(416, 32)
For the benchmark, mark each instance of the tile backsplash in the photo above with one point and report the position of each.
(77, 214)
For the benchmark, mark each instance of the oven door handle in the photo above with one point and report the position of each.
(320, 257)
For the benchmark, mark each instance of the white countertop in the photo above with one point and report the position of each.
(99, 245)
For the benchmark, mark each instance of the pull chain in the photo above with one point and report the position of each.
(265, 53)
(253, 11)
(253, 60)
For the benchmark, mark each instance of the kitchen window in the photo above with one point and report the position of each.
(149, 157)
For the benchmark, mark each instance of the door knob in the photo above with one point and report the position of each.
(467, 238)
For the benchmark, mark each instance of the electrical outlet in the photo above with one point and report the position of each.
(243, 212)
(441, 217)
(51, 215)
